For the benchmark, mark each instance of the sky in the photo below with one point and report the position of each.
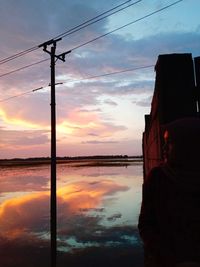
(95, 116)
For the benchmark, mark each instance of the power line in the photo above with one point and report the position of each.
(74, 29)
(111, 73)
(22, 53)
(88, 23)
(25, 67)
(101, 36)
(128, 24)
(18, 95)
(86, 78)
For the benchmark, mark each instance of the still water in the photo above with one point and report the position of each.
(97, 215)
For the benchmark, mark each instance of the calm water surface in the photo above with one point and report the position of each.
(98, 211)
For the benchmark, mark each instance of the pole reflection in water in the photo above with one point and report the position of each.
(97, 213)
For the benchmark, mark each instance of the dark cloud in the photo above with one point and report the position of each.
(114, 217)
(136, 52)
(92, 209)
(110, 102)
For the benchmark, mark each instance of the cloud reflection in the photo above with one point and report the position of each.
(82, 232)
(30, 213)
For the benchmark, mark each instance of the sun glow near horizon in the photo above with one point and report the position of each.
(95, 115)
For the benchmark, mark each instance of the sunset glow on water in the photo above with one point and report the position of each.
(98, 210)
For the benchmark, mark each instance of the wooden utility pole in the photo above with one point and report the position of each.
(53, 162)
(53, 201)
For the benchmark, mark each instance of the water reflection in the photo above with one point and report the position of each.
(97, 212)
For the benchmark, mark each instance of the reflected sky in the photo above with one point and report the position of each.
(98, 207)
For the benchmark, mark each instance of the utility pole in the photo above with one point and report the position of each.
(53, 198)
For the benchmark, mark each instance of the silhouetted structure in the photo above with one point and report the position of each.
(176, 95)
(169, 219)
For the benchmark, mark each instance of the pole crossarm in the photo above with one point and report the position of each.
(62, 56)
(53, 42)
(50, 42)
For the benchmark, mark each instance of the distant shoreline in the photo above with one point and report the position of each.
(76, 161)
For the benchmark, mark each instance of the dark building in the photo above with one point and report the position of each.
(176, 95)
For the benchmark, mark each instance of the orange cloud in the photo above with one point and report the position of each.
(77, 121)
(16, 121)
(81, 123)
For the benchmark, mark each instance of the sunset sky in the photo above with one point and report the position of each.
(101, 115)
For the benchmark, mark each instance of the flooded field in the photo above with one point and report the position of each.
(98, 207)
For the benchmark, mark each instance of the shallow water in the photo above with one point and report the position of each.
(97, 216)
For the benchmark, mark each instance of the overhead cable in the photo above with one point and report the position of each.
(101, 36)
(22, 68)
(22, 94)
(74, 29)
(22, 53)
(128, 24)
(79, 80)
(111, 73)
(96, 19)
